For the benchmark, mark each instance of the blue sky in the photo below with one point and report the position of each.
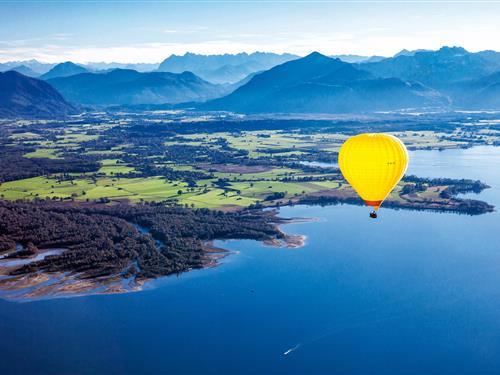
(149, 31)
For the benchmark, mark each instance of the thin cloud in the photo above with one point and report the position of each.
(185, 31)
(362, 42)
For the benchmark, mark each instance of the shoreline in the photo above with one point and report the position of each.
(47, 285)
(451, 205)
(290, 241)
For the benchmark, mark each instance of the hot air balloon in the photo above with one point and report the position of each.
(373, 163)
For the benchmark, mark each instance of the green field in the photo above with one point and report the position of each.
(244, 184)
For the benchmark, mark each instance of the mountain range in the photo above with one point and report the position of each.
(317, 83)
(124, 86)
(22, 96)
(226, 68)
(140, 67)
(40, 68)
(352, 59)
(34, 65)
(437, 68)
(449, 78)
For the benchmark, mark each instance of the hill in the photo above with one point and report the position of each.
(65, 69)
(317, 83)
(22, 96)
(123, 86)
(225, 68)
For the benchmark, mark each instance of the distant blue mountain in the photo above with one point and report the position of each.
(492, 57)
(140, 67)
(450, 77)
(65, 69)
(226, 68)
(34, 65)
(124, 86)
(436, 69)
(23, 69)
(405, 52)
(317, 83)
(352, 59)
(41, 68)
(478, 93)
(22, 96)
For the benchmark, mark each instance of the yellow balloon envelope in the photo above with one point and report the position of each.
(373, 163)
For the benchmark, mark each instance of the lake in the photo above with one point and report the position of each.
(411, 292)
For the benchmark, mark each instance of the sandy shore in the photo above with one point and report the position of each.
(291, 241)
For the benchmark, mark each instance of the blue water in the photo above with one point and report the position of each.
(412, 292)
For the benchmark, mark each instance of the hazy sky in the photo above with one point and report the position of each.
(149, 31)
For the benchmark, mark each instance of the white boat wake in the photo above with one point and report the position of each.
(292, 349)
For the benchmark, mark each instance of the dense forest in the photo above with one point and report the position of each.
(141, 241)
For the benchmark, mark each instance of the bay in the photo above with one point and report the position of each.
(410, 292)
